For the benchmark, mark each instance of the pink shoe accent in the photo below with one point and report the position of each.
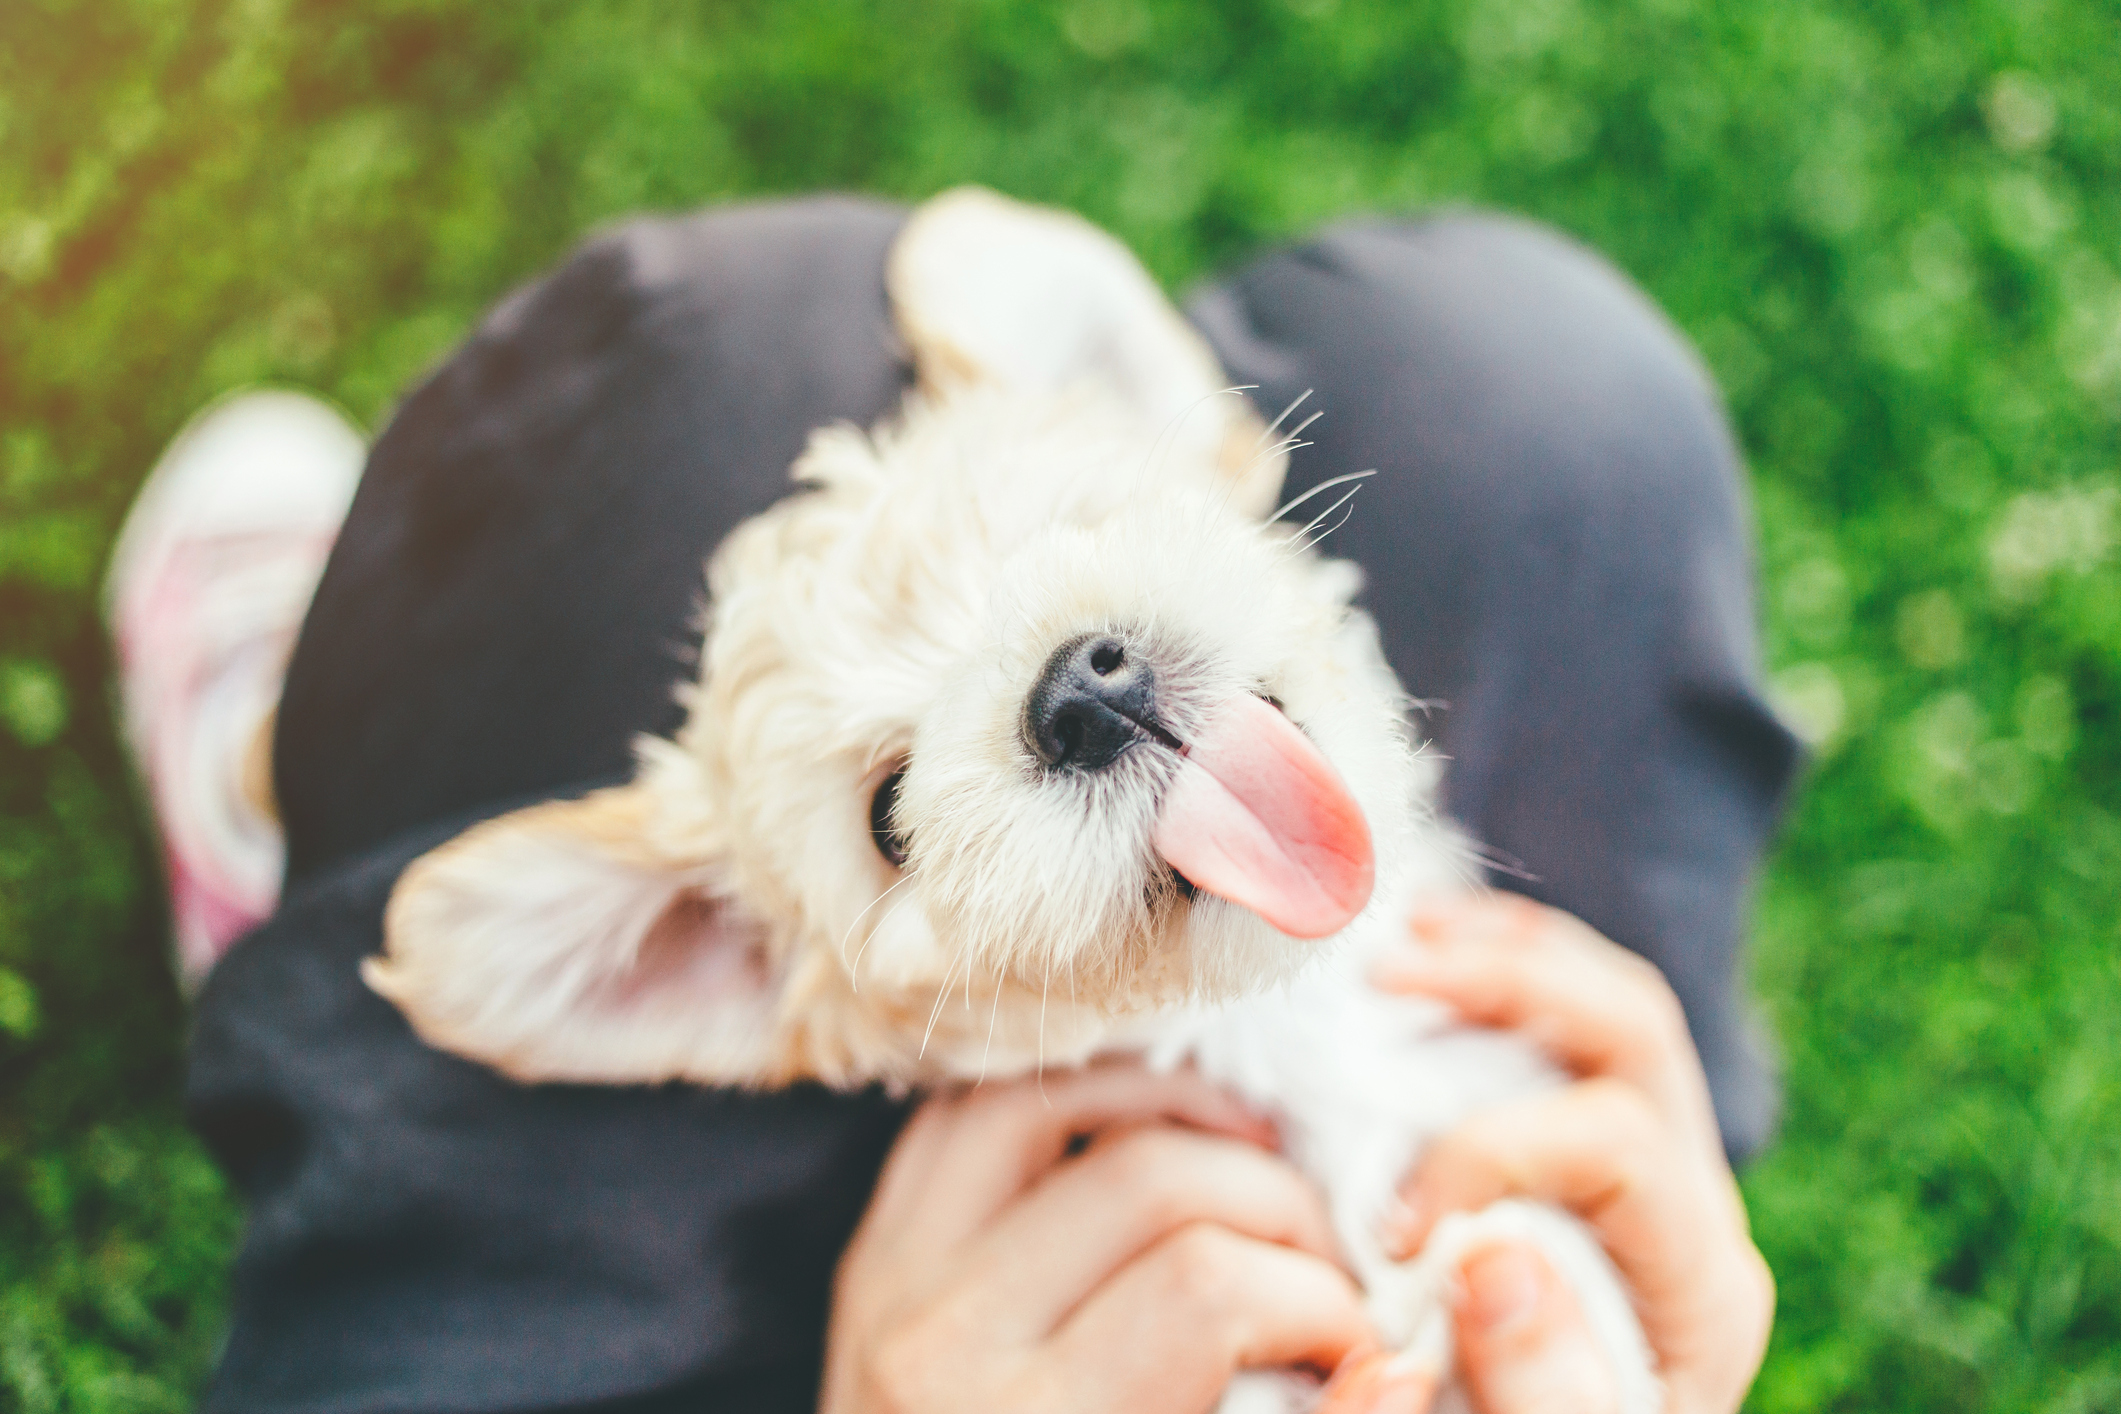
(212, 574)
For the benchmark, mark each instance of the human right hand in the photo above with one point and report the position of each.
(997, 1269)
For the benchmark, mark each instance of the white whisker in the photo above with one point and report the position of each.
(1274, 427)
(935, 1012)
(1315, 541)
(881, 925)
(1299, 541)
(854, 968)
(992, 1017)
(1045, 987)
(1293, 503)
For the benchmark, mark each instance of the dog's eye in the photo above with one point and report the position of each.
(889, 842)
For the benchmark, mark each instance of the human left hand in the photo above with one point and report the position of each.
(1630, 1146)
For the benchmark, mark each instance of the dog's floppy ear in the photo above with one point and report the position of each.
(568, 942)
(989, 290)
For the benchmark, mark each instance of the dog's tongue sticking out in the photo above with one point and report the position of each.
(1259, 817)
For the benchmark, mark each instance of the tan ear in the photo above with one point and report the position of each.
(562, 942)
(986, 289)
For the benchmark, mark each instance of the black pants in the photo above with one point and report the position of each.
(1556, 550)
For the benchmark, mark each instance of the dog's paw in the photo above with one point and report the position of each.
(1413, 1302)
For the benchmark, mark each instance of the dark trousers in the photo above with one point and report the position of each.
(1556, 549)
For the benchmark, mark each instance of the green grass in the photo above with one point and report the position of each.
(1894, 228)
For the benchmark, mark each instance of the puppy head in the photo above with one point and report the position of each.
(1015, 724)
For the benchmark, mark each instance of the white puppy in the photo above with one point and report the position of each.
(1026, 734)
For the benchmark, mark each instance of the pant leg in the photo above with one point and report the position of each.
(1557, 549)
(515, 593)
(510, 601)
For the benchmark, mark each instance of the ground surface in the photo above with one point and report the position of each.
(1894, 228)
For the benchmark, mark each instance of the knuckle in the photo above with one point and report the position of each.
(1651, 994)
(1640, 970)
(1617, 1111)
(1553, 927)
(1663, 1015)
(1522, 909)
(1649, 1026)
(1527, 922)
(1147, 1173)
(902, 1369)
(1168, 1179)
(1199, 1268)
(1507, 975)
(1613, 1101)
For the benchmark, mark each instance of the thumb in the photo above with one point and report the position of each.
(1375, 1382)
(1524, 1347)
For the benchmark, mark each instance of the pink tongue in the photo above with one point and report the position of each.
(1259, 817)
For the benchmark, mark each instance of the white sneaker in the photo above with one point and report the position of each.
(211, 576)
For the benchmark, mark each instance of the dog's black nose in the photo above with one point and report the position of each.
(1092, 701)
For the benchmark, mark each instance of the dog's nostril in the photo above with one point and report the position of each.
(1068, 731)
(1090, 703)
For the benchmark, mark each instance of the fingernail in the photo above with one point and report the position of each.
(1401, 1230)
(1406, 1393)
(1502, 1287)
(1433, 923)
(1370, 1382)
(1355, 1381)
(1412, 1364)
(1428, 966)
(1409, 971)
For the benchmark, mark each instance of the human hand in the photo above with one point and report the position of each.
(1524, 1347)
(995, 1269)
(1631, 1147)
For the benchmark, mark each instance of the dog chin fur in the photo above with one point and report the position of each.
(727, 917)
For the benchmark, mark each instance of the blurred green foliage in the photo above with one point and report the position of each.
(1894, 228)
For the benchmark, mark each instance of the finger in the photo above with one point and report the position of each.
(1599, 1150)
(1090, 1216)
(1595, 1148)
(1523, 1344)
(1171, 1327)
(967, 1155)
(1510, 962)
(1378, 1383)
(1597, 1008)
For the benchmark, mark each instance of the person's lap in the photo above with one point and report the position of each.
(1555, 546)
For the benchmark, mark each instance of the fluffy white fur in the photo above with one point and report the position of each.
(1067, 467)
